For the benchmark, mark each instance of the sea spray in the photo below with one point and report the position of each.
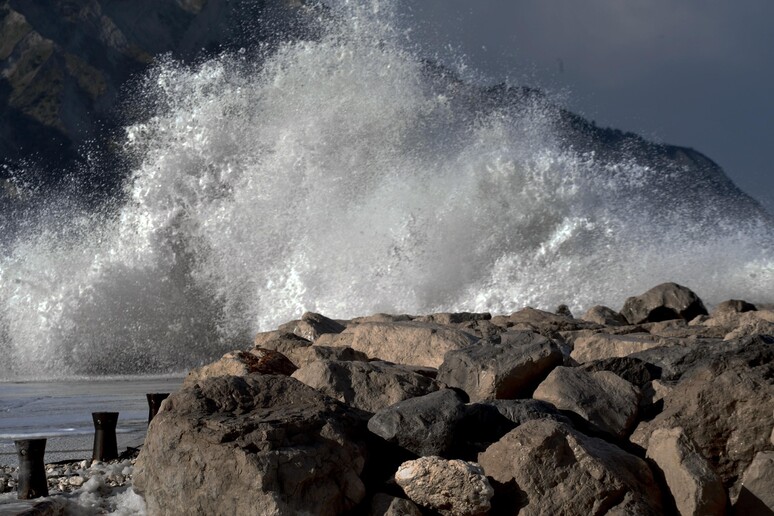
(344, 174)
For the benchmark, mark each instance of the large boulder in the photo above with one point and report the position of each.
(237, 445)
(601, 397)
(426, 425)
(448, 487)
(605, 316)
(544, 467)
(369, 386)
(501, 371)
(241, 363)
(757, 493)
(410, 343)
(663, 302)
(694, 485)
(634, 370)
(725, 404)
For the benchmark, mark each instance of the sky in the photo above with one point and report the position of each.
(695, 73)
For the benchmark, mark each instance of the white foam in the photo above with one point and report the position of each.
(342, 176)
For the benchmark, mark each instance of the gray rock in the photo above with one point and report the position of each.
(369, 386)
(386, 505)
(449, 487)
(501, 371)
(663, 302)
(733, 305)
(545, 323)
(603, 398)
(634, 370)
(605, 316)
(544, 468)
(311, 326)
(694, 485)
(241, 363)
(230, 445)
(425, 425)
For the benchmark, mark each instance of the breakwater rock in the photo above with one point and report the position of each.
(662, 407)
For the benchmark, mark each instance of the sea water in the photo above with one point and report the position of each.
(344, 175)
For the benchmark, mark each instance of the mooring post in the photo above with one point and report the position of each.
(32, 473)
(105, 445)
(154, 403)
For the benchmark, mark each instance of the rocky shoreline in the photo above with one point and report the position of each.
(659, 408)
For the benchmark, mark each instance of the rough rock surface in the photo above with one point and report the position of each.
(500, 371)
(311, 326)
(663, 302)
(450, 487)
(386, 505)
(229, 445)
(425, 425)
(725, 404)
(634, 370)
(695, 487)
(605, 316)
(241, 363)
(545, 323)
(544, 468)
(410, 343)
(369, 386)
(601, 397)
(598, 346)
(757, 493)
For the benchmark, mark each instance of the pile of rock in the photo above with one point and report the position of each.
(660, 408)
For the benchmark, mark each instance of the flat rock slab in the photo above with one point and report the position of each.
(501, 371)
(229, 445)
(409, 343)
(599, 346)
(369, 386)
(602, 398)
(544, 467)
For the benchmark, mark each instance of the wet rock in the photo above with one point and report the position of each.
(544, 468)
(410, 343)
(265, 441)
(695, 487)
(603, 398)
(449, 487)
(605, 316)
(241, 363)
(425, 425)
(500, 371)
(663, 302)
(369, 386)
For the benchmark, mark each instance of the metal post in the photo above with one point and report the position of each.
(154, 403)
(32, 473)
(105, 445)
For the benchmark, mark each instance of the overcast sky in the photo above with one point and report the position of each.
(696, 73)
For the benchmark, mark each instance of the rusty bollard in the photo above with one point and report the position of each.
(154, 403)
(105, 445)
(32, 473)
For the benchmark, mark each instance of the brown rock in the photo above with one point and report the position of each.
(756, 495)
(663, 302)
(242, 363)
(238, 445)
(733, 305)
(601, 397)
(311, 326)
(500, 371)
(410, 343)
(545, 323)
(598, 346)
(545, 468)
(386, 505)
(369, 386)
(605, 316)
(450, 487)
(695, 487)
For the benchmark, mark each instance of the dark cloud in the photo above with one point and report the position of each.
(697, 73)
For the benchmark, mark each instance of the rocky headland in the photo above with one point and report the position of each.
(659, 408)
